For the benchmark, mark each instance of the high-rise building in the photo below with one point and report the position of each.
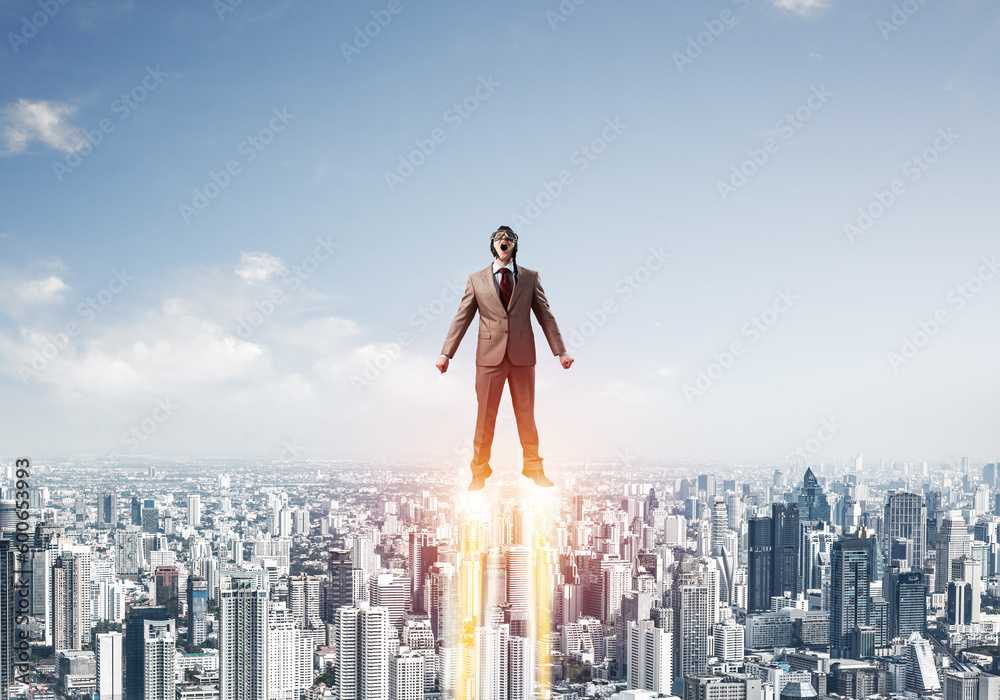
(422, 553)
(921, 673)
(849, 593)
(720, 525)
(785, 556)
(760, 557)
(817, 540)
(130, 551)
(490, 662)
(340, 583)
(67, 603)
(362, 641)
(953, 542)
(442, 591)
(906, 593)
(107, 510)
(906, 517)
(964, 591)
(650, 657)
(167, 582)
(159, 642)
(690, 600)
(243, 636)
(289, 651)
(194, 510)
(197, 608)
(406, 675)
(135, 649)
(303, 600)
(520, 669)
(391, 592)
(110, 657)
(813, 504)
(518, 566)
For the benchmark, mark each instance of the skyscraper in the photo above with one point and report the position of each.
(759, 564)
(406, 675)
(813, 504)
(194, 510)
(303, 600)
(691, 602)
(167, 582)
(362, 642)
(490, 662)
(110, 658)
(785, 541)
(650, 657)
(906, 517)
(906, 592)
(953, 542)
(107, 510)
(243, 636)
(197, 609)
(289, 652)
(159, 642)
(422, 553)
(135, 649)
(67, 603)
(849, 593)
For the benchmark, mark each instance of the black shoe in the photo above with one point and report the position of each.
(540, 479)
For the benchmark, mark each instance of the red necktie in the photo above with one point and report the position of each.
(505, 286)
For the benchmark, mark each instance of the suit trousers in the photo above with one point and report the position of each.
(489, 389)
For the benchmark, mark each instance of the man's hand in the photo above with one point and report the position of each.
(564, 359)
(442, 364)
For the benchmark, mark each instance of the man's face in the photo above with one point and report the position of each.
(503, 244)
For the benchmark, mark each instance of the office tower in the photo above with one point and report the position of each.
(650, 657)
(110, 659)
(362, 641)
(107, 510)
(953, 542)
(167, 581)
(418, 638)
(340, 583)
(720, 525)
(303, 600)
(289, 655)
(876, 566)
(136, 511)
(67, 603)
(729, 640)
(243, 636)
(392, 593)
(159, 665)
(785, 552)
(817, 539)
(7, 617)
(490, 662)
(518, 567)
(849, 593)
(151, 519)
(906, 592)
(194, 510)
(442, 592)
(759, 564)
(813, 504)
(690, 601)
(906, 517)
(135, 649)
(130, 551)
(706, 483)
(921, 674)
(617, 580)
(422, 553)
(970, 685)
(197, 609)
(675, 529)
(964, 591)
(406, 675)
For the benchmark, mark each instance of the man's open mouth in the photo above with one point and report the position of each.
(503, 247)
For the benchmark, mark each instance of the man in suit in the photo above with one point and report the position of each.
(505, 294)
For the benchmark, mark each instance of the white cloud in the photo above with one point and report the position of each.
(802, 7)
(259, 267)
(42, 291)
(25, 121)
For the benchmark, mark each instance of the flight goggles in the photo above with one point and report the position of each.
(509, 235)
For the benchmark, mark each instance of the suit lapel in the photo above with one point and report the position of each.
(487, 279)
(523, 278)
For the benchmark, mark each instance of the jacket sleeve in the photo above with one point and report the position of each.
(466, 312)
(540, 305)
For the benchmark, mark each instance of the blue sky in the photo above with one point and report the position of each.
(249, 162)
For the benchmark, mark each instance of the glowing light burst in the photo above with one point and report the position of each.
(507, 574)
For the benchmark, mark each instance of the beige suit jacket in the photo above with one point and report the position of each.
(504, 330)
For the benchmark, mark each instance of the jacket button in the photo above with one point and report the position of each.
(505, 332)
